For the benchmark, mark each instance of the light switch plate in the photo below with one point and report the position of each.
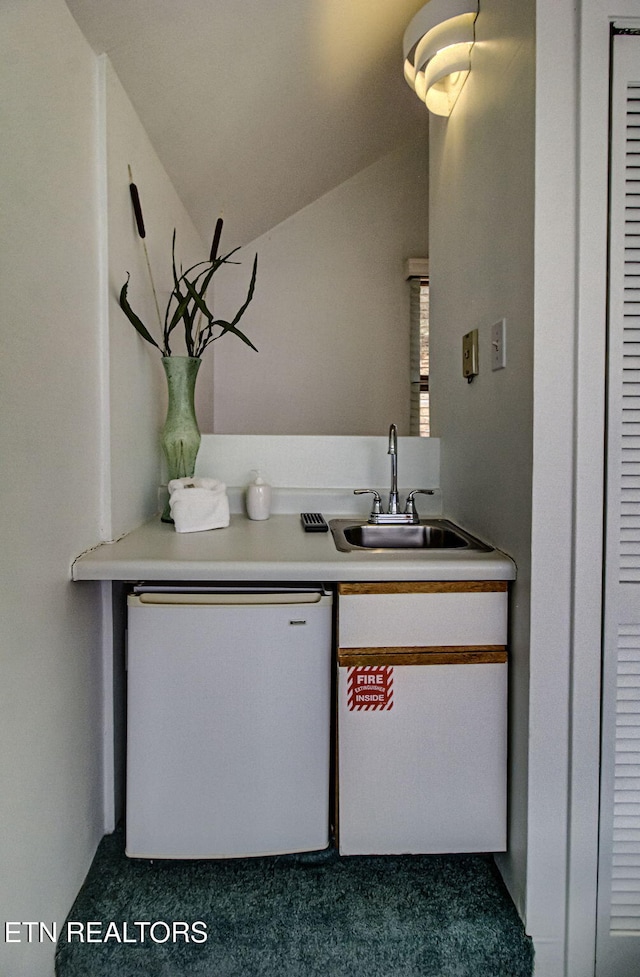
(470, 354)
(499, 345)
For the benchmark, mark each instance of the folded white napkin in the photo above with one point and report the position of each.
(198, 504)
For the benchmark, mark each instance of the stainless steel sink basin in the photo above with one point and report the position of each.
(428, 534)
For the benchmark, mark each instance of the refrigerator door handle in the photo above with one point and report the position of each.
(213, 599)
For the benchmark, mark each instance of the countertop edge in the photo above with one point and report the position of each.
(155, 552)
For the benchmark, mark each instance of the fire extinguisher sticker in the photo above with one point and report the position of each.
(370, 687)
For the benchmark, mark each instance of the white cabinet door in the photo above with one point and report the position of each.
(429, 774)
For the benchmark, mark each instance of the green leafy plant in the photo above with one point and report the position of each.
(188, 305)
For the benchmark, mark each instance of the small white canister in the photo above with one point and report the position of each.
(258, 498)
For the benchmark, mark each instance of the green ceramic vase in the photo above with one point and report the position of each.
(181, 434)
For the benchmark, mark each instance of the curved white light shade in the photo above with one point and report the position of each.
(437, 47)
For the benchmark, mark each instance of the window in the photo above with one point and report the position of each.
(419, 318)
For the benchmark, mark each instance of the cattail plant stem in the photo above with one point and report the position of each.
(153, 288)
(137, 209)
(213, 254)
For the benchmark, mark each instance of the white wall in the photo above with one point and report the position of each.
(330, 315)
(481, 238)
(136, 391)
(81, 411)
(50, 690)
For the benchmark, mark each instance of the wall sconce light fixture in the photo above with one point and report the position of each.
(437, 48)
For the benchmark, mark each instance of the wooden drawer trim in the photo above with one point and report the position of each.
(417, 649)
(424, 587)
(349, 657)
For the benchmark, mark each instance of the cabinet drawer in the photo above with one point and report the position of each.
(463, 614)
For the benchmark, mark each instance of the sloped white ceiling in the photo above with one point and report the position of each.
(258, 107)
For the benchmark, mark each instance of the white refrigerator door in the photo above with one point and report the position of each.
(228, 729)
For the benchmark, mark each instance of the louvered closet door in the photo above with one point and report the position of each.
(618, 944)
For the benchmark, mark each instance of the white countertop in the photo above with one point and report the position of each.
(276, 549)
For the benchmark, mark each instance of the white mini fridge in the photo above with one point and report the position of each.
(228, 720)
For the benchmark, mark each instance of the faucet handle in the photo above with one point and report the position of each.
(410, 508)
(377, 502)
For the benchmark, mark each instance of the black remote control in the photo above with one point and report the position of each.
(314, 522)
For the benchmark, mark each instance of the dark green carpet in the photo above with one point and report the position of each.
(300, 916)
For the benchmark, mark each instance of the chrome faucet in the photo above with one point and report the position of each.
(393, 514)
(393, 451)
